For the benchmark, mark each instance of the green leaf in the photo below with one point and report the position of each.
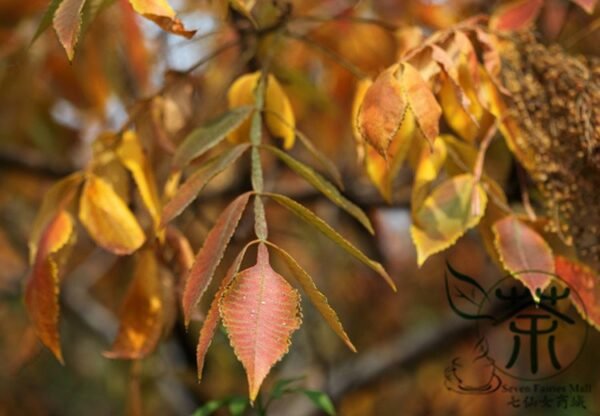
(198, 180)
(316, 297)
(46, 19)
(209, 408)
(323, 185)
(206, 137)
(321, 400)
(237, 405)
(281, 386)
(309, 217)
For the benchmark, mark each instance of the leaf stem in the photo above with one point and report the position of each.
(485, 143)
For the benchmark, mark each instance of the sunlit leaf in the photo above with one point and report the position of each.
(309, 217)
(447, 213)
(132, 155)
(212, 133)
(421, 102)
(55, 200)
(198, 180)
(244, 7)
(524, 253)
(260, 311)
(382, 110)
(41, 291)
(209, 256)
(428, 168)
(161, 13)
(67, 24)
(586, 283)
(316, 297)
(362, 86)
(517, 15)
(279, 115)
(107, 219)
(141, 316)
(324, 186)
(212, 316)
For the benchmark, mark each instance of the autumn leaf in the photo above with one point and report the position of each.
(132, 155)
(212, 316)
(309, 217)
(260, 311)
(279, 115)
(517, 15)
(524, 253)
(585, 282)
(209, 256)
(107, 218)
(42, 287)
(161, 13)
(382, 110)
(317, 298)
(141, 316)
(55, 200)
(211, 134)
(421, 102)
(67, 24)
(198, 180)
(447, 213)
(428, 168)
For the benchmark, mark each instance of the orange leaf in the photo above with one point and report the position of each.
(67, 24)
(209, 256)
(161, 13)
(524, 253)
(141, 314)
(517, 15)
(422, 102)
(382, 111)
(41, 291)
(260, 311)
(585, 282)
(212, 316)
(107, 218)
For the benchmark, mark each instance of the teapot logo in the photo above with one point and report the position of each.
(517, 336)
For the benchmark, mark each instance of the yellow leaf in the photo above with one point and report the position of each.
(132, 155)
(428, 168)
(141, 316)
(107, 218)
(359, 94)
(161, 13)
(279, 115)
(452, 208)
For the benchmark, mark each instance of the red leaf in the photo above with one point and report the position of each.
(210, 254)
(586, 283)
(212, 317)
(67, 24)
(517, 15)
(41, 291)
(523, 252)
(260, 311)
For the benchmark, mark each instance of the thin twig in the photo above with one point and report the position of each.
(340, 60)
(485, 143)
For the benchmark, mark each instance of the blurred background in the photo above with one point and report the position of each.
(52, 110)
